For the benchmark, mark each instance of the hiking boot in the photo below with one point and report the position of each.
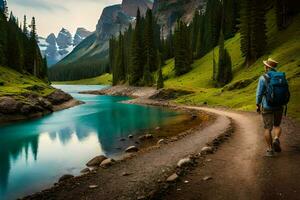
(276, 145)
(269, 153)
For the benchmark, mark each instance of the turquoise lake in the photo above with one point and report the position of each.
(35, 153)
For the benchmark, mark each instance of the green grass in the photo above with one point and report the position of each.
(283, 46)
(105, 79)
(13, 83)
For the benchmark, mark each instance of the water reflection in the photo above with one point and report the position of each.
(34, 154)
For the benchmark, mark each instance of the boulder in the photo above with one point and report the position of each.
(58, 97)
(161, 141)
(206, 178)
(207, 150)
(9, 105)
(131, 149)
(107, 162)
(184, 162)
(130, 136)
(65, 177)
(172, 178)
(96, 161)
(85, 170)
(93, 186)
(145, 137)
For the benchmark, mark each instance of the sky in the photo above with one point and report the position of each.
(52, 15)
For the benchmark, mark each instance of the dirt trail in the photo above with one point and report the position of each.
(240, 171)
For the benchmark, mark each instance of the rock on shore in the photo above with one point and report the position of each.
(29, 105)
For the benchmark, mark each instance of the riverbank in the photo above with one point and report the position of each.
(124, 179)
(30, 105)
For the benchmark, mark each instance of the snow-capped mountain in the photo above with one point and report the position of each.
(56, 48)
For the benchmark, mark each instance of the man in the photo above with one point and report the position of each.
(272, 115)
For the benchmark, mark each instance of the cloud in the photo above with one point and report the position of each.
(40, 4)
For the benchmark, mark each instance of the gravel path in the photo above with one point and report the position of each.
(145, 170)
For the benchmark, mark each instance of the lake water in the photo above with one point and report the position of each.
(35, 153)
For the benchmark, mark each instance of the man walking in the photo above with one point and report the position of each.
(271, 96)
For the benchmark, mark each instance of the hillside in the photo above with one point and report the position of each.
(23, 96)
(13, 83)
(283, 46)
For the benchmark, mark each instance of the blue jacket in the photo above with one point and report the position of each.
(260, 93)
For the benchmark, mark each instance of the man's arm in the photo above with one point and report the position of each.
(260, 92)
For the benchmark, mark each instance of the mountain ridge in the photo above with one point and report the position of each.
(56, 48)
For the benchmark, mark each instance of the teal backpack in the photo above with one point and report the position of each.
(277, 89)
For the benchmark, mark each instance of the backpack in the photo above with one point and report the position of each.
(277, 89)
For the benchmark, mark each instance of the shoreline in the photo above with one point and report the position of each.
(142, 97)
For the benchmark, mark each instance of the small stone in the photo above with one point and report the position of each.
(149, 136)
(208, 160)
(174, 138)
(125, 174)
(178, 189)
(206, 178)
(172, 178)
(130, 136)
(96, 161)
(122, 139)
(65, 177)
(157, 128)
(207, 150)
(161, 141)
(186, 181)
(85, 170)
(107, 162)
(131, 149)
(184, 162)
(93, 186)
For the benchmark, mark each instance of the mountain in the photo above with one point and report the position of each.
(94, 49)
(56, 48)
(168, 11)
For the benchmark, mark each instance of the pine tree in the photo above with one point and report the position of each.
(160, 79)
(224, 72)
(119, 70)
(183, 51)
(137, 53)
(3, 40)
(253, 30)
(25, 30)
(13, 45)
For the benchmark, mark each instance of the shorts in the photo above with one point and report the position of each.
(272, 118)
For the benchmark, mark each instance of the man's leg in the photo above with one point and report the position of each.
(268, 125)
(268, 138)
(277, 132)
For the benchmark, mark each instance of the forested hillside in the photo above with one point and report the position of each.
(18, 45)
(218, 55)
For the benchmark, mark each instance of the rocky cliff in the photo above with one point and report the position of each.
(168, 11)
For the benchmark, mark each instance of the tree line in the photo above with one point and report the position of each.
(18, 45)
(140, 51)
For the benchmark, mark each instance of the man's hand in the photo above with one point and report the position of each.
(258, 110)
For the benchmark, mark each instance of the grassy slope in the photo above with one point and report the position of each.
(13, 83)
(105, 79)
(284, 46)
